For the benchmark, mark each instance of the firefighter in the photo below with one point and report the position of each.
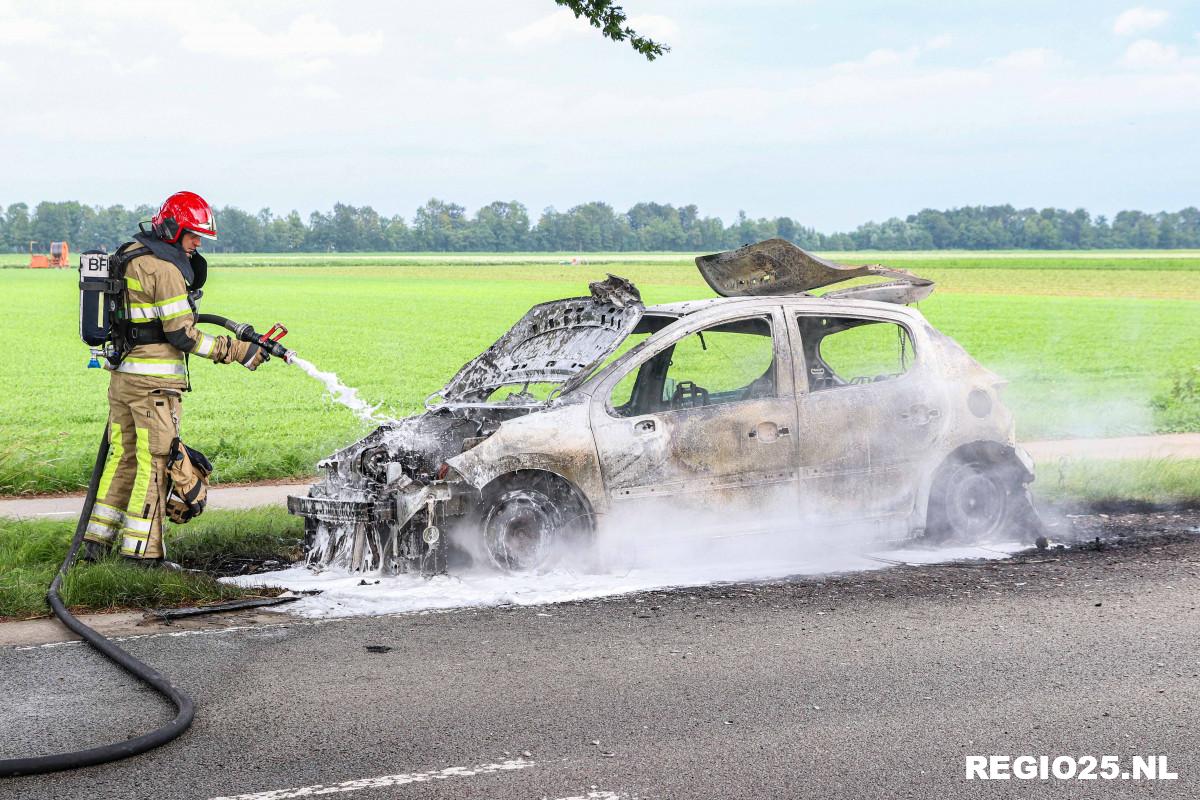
(163, 276)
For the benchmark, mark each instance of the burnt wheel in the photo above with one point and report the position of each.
(528, 518)
(973, 499)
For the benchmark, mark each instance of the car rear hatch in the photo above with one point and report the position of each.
(778, 267)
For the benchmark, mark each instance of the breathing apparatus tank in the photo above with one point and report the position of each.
(104, 323)
(96, 290)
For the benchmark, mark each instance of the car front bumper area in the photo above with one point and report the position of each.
(341, 512)
(391, 533)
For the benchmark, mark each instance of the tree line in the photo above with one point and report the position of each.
(439, 226)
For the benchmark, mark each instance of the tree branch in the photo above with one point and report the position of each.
(610, 20)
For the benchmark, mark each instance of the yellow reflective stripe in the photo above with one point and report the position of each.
(115, 451)
(134, 284)
(141, 484)
(133, 545)
(108, 513)
(135, 537)
(168, 302)
(101, 531)
(153, 367)
(164, 309)
(137, 525)
(205, 347)
(170, 308)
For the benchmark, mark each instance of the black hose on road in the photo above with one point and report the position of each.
(12, 767)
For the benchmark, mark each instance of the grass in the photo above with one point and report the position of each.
(1086, 347)
(1178, 407)
(1152, 482)
(31, 551)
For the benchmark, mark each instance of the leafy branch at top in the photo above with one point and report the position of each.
(610, 19)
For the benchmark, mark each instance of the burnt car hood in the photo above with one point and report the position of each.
(776, 267)
(553, 342)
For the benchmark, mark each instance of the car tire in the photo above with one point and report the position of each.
(531, 519)
(974, 499)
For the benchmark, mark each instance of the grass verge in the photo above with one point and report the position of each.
(1133, 483)
(219, 542)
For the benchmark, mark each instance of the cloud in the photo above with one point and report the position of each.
(303, 48)
(1034, 58)
(1149, 54)
(883, 57)
(562, 25)
(1139, 20)
(658, 27)
(16, 30)
(550, 29)
(939, 42)
(890, 58)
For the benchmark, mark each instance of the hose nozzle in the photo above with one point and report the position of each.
(269, 341)
(245, 332)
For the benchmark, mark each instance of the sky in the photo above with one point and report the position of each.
(833, 113)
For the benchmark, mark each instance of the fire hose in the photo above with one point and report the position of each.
(269, 341)
(185, 707)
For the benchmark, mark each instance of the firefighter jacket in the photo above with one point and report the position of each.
(157, 285)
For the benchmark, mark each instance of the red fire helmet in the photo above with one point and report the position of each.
(184, 211)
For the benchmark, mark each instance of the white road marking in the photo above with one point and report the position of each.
(291, 623)
(181, 634)
(384, 781)
(594, 796)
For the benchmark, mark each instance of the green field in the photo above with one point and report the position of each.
(1087, 341)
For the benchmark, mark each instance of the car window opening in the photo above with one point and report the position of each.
(728, 362)
(851, 351)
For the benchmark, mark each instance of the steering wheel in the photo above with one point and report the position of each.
(688, 395)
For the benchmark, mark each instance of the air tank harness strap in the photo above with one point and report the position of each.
(147, 333)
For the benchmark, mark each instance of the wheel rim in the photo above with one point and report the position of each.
(976, 504)
(520, 529)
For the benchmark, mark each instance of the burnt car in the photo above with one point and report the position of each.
(843, 409)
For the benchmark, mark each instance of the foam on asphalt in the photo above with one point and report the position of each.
(345, 594)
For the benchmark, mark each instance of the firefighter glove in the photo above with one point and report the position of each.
(254, 356)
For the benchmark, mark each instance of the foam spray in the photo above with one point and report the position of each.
(341, 393)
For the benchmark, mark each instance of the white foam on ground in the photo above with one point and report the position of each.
(343, 595)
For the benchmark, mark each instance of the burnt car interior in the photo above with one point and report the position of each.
(725, 363)
(850, 351)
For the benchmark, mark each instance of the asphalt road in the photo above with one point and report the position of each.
(860, 686)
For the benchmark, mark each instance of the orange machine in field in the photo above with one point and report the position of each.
(60, 254)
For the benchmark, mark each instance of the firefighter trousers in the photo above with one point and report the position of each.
(143, 420)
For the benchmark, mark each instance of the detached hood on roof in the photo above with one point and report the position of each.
(776, 266)
(552, 342)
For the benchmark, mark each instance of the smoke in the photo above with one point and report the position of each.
(341, 393)
(665, 545)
